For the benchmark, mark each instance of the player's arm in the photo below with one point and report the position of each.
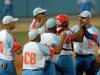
(89, 35)
(94, 37)
(60, 45)
(77, 37)
(46, 50)
(98, 40)
(18, 51)
(16, 47)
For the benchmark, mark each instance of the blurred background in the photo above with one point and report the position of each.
(23, 9)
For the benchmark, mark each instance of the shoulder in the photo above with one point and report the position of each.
(75, 28)
(47, 35)
(5, 34)
(69, 32)
(96, 30)
(31, 45)
(33, 23)
(98, 39)
(42, 47)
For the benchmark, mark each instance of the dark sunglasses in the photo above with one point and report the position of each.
(83, 17)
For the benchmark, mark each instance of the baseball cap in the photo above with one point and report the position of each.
(51, 22)
(85, 14)
(8, 19)
(38, 10)
(33, 34)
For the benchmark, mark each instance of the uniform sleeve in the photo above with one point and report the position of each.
(58, 38)
(9, 40)
(45, 50)
(87, 34)
(68, 39)
(98, 40)
(32, 25)
(52, 40)
(75, 28)
(96, 31)
(14, 44)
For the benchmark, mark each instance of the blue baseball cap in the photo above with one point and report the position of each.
(51, 22)
(8, 19)
(38, 10)
(33, 34)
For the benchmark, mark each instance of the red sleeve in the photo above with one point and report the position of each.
(16, 45)
(52, 50)
(68, 39)
(95, 37)
(34, 25)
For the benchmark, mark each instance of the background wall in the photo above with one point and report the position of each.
(24, 8)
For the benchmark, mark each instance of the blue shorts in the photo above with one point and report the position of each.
(9, 69)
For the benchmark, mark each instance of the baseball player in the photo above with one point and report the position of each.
(85, 51)
(86, 4)
(94, 37)
(50, 38)
(39, 19)
(8, 46)
(34, 55)
(65, 63)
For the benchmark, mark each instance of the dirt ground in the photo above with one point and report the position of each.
(23, 25)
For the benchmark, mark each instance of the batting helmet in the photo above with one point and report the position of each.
(62, 18)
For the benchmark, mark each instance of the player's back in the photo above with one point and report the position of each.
(33, 57)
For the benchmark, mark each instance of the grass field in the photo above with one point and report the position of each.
(21, 34)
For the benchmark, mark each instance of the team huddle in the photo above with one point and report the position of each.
(51, 46)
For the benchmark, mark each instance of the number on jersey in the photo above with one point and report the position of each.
(29, 58)
(90, 46)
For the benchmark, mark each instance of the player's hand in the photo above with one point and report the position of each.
(63, 35)
(81, 23)
(43, 19)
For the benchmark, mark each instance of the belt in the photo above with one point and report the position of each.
(66, 49)
(84, 55)
(65, 55)
(34, 69)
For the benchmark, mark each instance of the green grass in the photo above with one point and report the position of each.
(21, 37)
